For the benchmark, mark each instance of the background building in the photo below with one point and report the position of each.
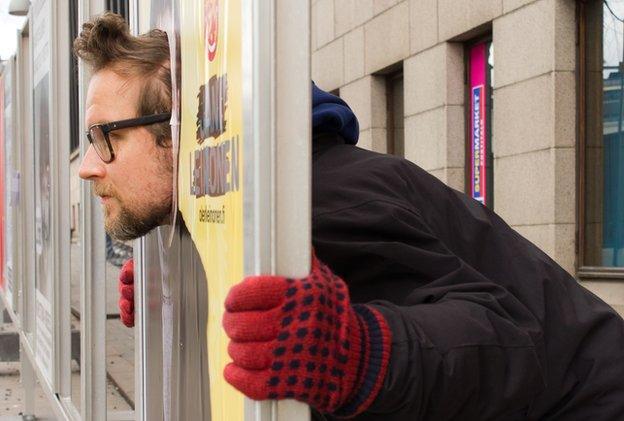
(548, 107)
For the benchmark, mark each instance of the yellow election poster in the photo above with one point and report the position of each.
(210, 167)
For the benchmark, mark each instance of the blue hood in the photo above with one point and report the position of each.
(331, 114)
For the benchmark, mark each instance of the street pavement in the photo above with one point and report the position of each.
(119, 352)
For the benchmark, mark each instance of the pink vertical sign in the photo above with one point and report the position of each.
(478, 135)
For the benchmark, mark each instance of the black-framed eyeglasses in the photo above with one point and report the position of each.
(98, 133)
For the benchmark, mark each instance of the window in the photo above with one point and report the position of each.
(601, 139)
(479, 155)
(395, 117)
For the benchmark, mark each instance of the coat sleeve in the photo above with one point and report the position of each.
(463, 346)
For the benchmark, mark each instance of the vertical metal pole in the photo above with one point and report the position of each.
(140, 304)
(61, 135)
(93, 282)
(140, 410)
(148, 294)
(148, 307)
(27, 375)
(19, 133)
(15, 171)
(92, 310)
(27, 183)
(55, 184)
(277, 90)
(257, 60)
(293, 106)
(27, 215)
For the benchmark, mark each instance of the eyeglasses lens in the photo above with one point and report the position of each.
(98, 140)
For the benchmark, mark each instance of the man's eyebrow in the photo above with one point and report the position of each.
(100, 121)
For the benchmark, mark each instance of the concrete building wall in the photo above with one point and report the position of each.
(534, 124)
(355, 42)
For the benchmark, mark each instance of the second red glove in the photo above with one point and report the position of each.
(126, 293)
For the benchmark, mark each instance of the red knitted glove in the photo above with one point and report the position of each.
(126, 293)
(302, 339)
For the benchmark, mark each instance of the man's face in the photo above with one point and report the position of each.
(136, 188)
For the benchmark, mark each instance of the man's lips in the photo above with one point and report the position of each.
(104, 193)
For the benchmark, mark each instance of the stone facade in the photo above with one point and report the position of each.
(356, 42)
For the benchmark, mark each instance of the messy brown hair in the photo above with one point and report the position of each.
(106, 42)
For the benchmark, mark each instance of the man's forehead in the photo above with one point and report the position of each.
(110, 97)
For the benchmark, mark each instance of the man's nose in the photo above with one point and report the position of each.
(92, 166)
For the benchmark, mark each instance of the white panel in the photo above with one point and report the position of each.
(279, 121)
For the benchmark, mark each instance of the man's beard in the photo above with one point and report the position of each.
(129, 224)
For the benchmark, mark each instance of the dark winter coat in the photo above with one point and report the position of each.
(485, 326)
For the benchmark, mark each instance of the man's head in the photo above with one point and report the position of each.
(130, 78)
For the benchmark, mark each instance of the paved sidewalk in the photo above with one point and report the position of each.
(12, 395)
(120, 358)
(119, 354)
(119, 338)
